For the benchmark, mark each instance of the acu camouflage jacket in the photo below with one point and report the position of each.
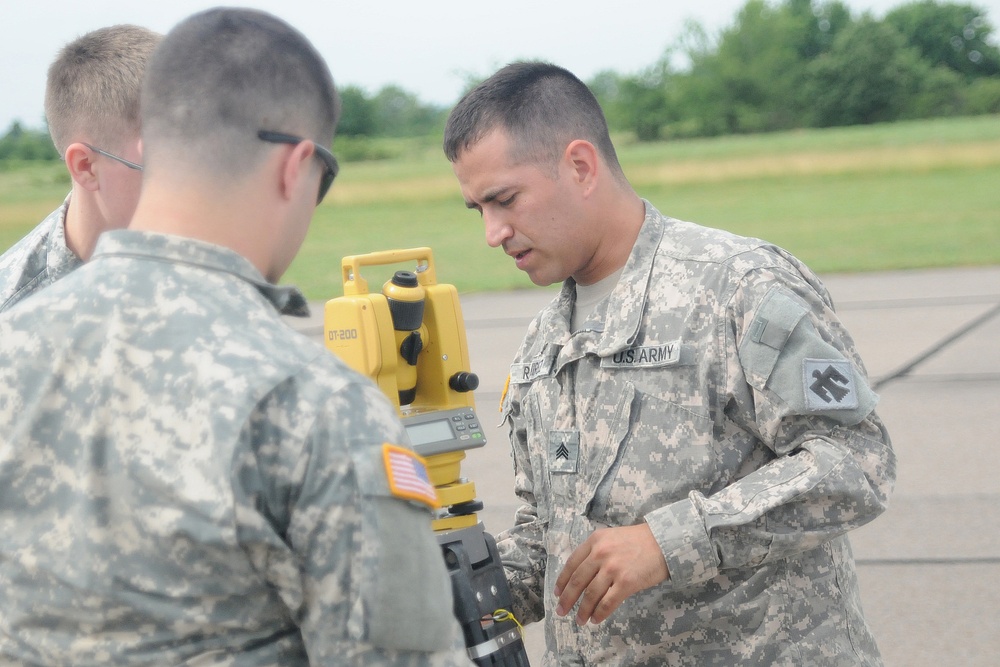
(718, 398)
(184, 480)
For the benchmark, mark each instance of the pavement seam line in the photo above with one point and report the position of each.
(936, 348)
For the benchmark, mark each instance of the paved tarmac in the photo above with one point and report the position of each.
(930, 566)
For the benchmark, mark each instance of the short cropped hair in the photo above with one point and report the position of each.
(542, 108)
(224, 74)
(93, 86)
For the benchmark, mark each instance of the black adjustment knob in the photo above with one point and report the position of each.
(466, 508)
(405, 279)
(463, 382)
(411, 347)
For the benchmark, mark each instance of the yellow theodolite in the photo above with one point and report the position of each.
(410, 339)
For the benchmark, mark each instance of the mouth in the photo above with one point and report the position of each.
(520, 257)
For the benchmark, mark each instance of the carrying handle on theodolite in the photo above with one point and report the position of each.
(355, 284)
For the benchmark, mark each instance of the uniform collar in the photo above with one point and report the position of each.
(626, 303)
(287, 300)
(59, 251)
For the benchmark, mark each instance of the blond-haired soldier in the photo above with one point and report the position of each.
(92, 110)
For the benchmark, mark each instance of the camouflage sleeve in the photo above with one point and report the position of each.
(521, 548)
(372, 580)
(794, 383)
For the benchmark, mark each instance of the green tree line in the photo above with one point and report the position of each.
(801, 63)
(781, 65)
(26, 144)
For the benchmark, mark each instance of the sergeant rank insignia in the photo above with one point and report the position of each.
(564, 450)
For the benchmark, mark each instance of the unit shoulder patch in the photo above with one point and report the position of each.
(829, 384)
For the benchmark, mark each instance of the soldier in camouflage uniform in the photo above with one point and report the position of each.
(183, 478)
(91, 101)
(693, 432)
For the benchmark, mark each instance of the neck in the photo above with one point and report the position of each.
(84, 224)
(190, 210)
(619, 214)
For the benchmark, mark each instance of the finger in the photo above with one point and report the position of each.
(593, 597)
(610, 601)
(576, 584)
(574, 561)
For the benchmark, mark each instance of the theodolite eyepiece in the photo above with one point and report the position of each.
(406, 298)
(406, 301)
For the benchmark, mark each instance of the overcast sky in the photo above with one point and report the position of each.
(429, 48)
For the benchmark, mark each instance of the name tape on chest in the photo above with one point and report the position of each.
(540, 366)
(645, 356)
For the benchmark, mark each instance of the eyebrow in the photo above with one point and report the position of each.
(490, 196)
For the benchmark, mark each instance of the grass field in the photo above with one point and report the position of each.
(905, 195)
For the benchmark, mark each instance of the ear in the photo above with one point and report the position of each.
(81, 166)
(584, 162)
(296, 170)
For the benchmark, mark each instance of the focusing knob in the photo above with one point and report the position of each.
(463, 382)
(411, 347)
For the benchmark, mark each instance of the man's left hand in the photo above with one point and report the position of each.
(611, 565)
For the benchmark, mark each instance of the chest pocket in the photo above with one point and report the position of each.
(556, 447)
(662, 452)
(536, 437)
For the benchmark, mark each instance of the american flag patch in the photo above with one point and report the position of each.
(408, 477)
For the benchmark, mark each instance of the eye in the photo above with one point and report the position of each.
(504, 203)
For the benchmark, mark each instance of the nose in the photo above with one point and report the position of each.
(497, 231)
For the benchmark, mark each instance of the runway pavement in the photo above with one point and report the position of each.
(930, 566)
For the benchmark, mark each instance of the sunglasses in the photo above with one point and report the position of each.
(130, 165)
(322, 153)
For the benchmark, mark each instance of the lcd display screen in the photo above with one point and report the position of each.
(421, 434)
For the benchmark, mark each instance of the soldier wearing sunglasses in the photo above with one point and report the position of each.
(184, 478)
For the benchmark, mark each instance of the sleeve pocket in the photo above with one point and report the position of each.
(406, 599)
(781, 355)
(776, 317)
